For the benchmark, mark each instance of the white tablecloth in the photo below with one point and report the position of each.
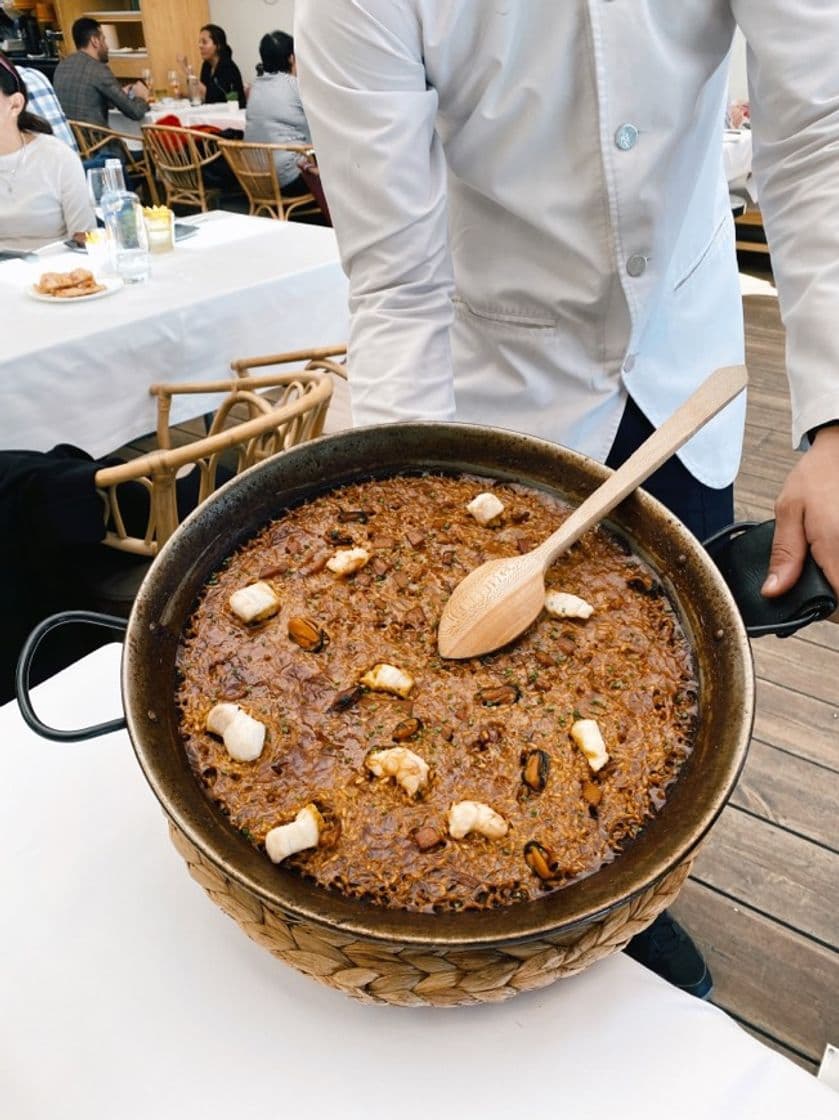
(225, 115)
(737, 161)
(79, 372)
(126, 994)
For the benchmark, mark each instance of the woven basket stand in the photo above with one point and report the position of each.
(411, 976)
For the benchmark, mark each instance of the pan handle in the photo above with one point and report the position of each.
(24, 665)
(741, 552)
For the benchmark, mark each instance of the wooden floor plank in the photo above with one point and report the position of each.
(781, 982)
(799, 723)
(798, 666)
(791, 793)
(773, 871)
(821, 634)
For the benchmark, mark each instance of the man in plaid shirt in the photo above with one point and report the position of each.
(87, 87)
(43, 102)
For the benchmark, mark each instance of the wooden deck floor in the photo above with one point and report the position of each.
(764, 899)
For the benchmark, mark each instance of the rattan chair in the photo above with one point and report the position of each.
(322, 360)
(179, 157)
(94, 140)
(253, 165)
(294, 412)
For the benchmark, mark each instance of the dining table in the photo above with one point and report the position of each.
(221, 115)
(128, 994)
(79, 372)
(737, 162)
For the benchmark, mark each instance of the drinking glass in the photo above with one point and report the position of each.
(174, 84)
(160, 227)
(97, 182)
(131, 244)
(99, 257)
(194, 90)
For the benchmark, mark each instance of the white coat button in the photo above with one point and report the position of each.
(636, 265)
(626, 137)
(629, 364)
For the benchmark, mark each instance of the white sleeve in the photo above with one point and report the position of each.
(372, 116)
(794, 97)
(75, 201)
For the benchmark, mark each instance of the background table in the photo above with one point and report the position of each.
(219, 116)
(79, 372)
(127, 994)
(737, 161)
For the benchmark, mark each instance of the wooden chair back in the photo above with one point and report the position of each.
(94, 140)
(294, 412)
(324, 359)
(179, 156)
(253, 165)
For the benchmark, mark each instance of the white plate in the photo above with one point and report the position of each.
(111, 284)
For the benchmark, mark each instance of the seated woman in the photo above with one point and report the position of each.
(275, 112)
(220, 76)
(43, 192)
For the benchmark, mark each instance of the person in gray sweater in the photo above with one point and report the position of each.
(275, 112)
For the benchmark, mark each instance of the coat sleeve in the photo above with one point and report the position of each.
(794, 97)
(133, 107)
(372, 117)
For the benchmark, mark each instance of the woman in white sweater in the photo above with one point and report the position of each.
(43, 193)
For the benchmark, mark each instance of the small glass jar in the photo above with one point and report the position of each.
(160, 227)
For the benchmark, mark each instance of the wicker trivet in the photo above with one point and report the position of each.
(409, 976)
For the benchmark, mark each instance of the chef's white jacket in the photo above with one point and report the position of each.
(531, 207)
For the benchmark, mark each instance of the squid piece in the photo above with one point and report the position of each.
(485, 508)
(586, 734)
(243, 736)
(559, 604)
(255, 602)
(408, 769)
(474, 816)
(303, 832)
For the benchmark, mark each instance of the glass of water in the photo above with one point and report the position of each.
(130, 239)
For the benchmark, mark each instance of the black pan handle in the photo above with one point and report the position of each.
(741, 552)
(24, 665)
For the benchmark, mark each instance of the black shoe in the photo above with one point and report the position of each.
(666, 949)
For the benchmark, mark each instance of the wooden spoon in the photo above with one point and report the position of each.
(500, 599)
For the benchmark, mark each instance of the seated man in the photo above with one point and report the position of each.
(87, 87)
(43, 103)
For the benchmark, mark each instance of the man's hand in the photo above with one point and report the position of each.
(807, 513)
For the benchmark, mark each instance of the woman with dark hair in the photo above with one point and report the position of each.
(220, 76)
(275, 113)
(43, 193)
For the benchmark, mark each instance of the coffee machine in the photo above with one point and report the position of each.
(52, 40)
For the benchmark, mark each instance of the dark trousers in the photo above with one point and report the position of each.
(703, 509)
(295, 188)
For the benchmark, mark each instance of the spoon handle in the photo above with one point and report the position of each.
(712, 395)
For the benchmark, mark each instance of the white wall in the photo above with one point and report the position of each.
(245, 22)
